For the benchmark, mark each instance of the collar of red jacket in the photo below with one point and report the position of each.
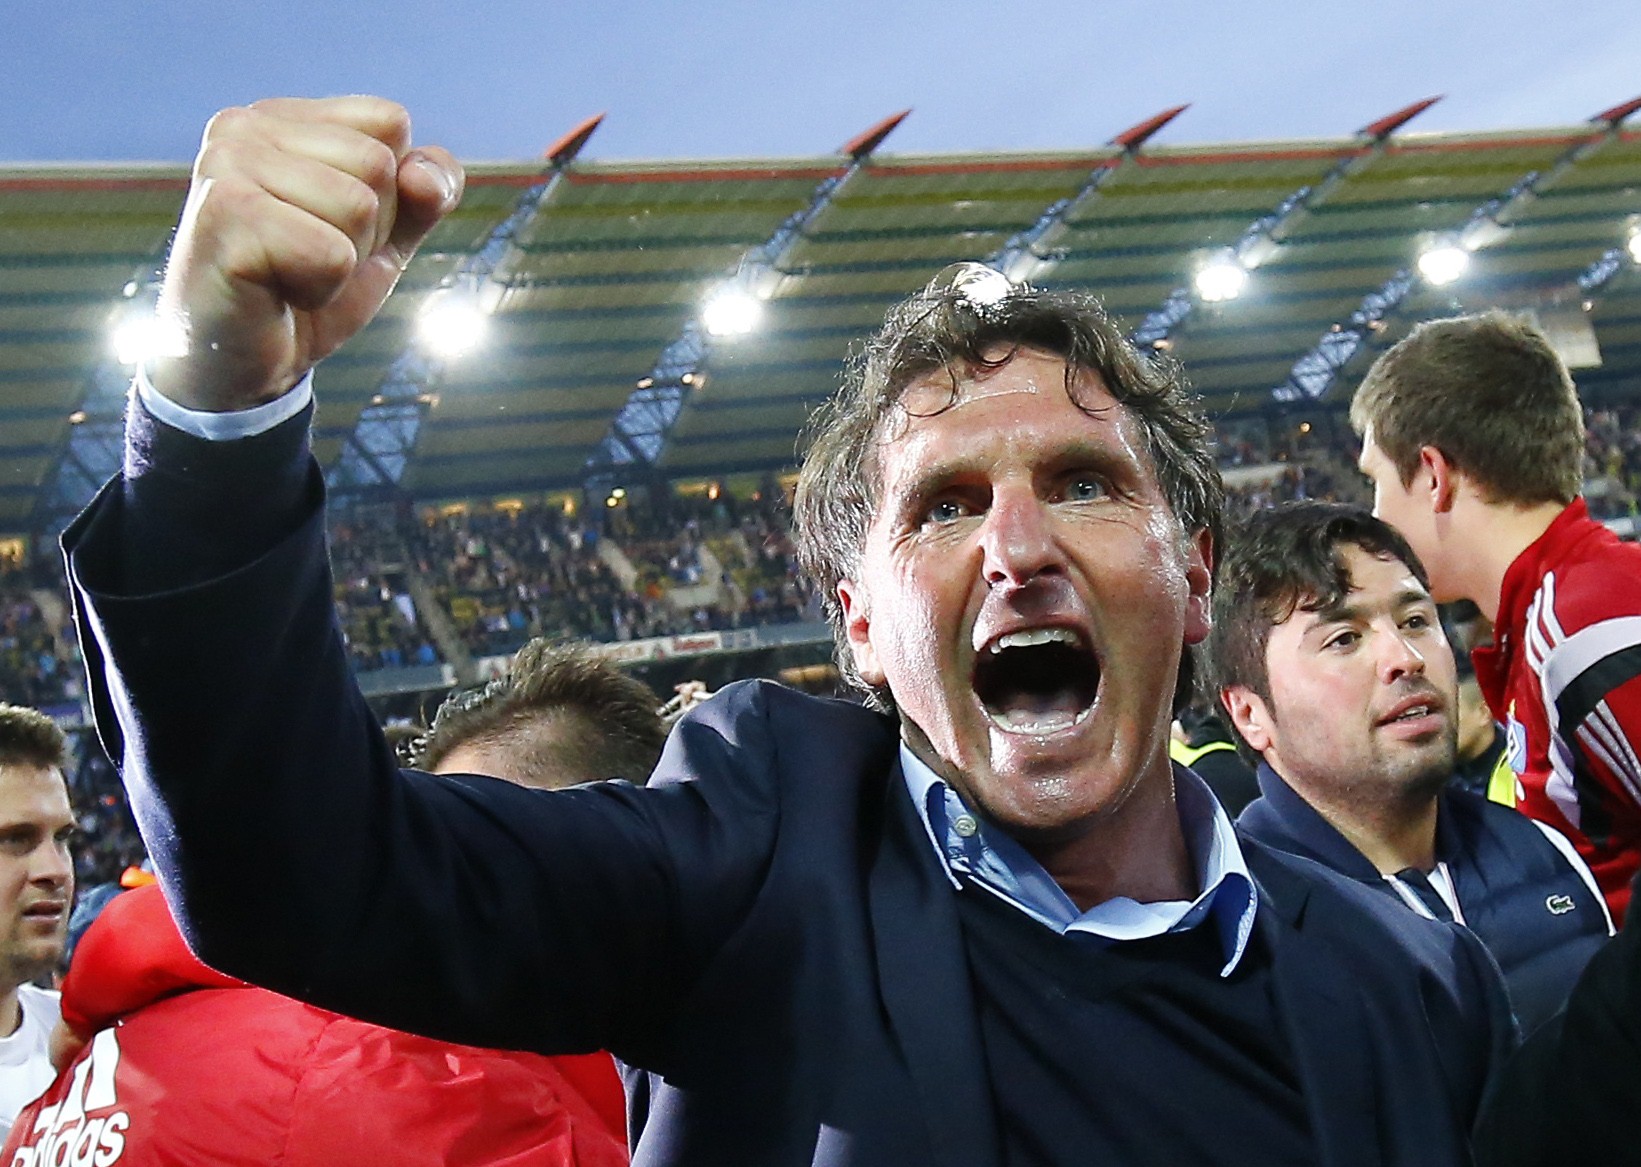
(131, 956)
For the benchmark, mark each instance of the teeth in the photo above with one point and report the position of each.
(1032, 638)
(1038, 723)
(1416, 711)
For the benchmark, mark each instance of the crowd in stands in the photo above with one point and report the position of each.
(499, 575)
(39, 662)
(503, 575)
(375, 609)
(1613, 443)
(743, 543)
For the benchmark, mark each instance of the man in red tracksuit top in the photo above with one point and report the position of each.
(270, 1080)
(1473, 436)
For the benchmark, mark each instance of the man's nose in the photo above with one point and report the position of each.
(1400, 658)
(51, 863)
(1018, 539)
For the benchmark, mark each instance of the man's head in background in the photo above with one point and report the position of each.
(1331, 660)
(562, 715)
(1474, 405)
(1476, 727)
(36, 826)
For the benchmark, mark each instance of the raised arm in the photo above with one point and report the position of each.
(291, 849)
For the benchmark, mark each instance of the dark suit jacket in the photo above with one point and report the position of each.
(766, 929)
(1570, 1095)
(1504, 870)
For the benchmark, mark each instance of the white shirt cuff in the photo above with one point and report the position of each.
(223, 427)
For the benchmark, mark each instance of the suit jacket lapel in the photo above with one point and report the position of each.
(924, 978)
(1324, 1022)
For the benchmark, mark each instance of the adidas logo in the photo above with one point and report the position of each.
(69, 1133)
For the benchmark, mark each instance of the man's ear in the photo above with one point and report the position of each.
(1249, 714)
(1442, 477)
(857, 626)
(1199, 578)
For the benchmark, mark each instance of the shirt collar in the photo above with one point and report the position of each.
(968, 846)
(1526, 572)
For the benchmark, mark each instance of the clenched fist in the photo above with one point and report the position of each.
(300, 218)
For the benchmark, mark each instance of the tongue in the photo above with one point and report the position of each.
(1038, 712)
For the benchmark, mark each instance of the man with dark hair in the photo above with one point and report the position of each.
(562, 714)
(1474, 440)
(1333, 667)
(36, 893)
(997, 926)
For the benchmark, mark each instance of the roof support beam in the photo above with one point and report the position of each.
(1033, 251)
(376, 454)
(637, 436)
(94, 449)
(1265, 234)
(1315, 373)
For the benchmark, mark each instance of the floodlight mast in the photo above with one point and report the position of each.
(1366, 331)
(637, 437)
(377, 452)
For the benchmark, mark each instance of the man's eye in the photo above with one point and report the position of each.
(1344, 641)
(944, 511)
(1084, 487)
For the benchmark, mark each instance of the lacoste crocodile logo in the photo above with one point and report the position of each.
(1559, 905)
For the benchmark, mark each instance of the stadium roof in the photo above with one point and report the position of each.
(594, 275)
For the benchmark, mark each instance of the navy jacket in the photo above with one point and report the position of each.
(765, 930)
(1515, 888)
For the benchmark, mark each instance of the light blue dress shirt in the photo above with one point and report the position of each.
(971, 848)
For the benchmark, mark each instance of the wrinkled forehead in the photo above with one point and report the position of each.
(1006, 370)
(1026, 375)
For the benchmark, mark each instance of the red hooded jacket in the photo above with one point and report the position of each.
(185, 1066)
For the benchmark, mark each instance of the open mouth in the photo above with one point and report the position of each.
(1411, 711)
(1037, 681)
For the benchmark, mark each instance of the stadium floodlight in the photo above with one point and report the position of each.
(1221, 279)
(451, 323)
(731, 312)
(1634, 244)
(142, 335)
(1443, 263)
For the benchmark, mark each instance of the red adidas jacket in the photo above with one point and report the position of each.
(187, 1067)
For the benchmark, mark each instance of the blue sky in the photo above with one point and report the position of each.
(118, 80)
